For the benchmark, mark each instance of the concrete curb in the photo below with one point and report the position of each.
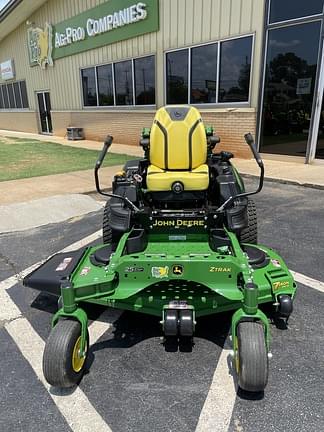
(285, 181)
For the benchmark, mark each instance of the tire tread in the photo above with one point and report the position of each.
(253, 358)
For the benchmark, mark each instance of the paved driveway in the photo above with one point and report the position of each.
(133, 384)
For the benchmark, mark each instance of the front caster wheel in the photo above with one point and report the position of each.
(63, 363)
(252, 359)
(285, 306)
(170, 322)
(186, 324)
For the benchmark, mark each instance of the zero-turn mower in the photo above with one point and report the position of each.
(180, 242)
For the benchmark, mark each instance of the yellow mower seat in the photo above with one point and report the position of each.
(160, 180)
(178, 150)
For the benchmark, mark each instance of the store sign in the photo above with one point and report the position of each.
(107, 23)
(40, 46)
(7, 70)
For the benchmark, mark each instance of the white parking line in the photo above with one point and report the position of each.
(306, 280)
(217, 411)
(218, 407)
(73, 404)
(102, 324)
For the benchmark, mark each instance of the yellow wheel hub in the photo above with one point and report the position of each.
(77, 359)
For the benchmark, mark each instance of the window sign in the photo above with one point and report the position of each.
(304, 86)
(7, 70)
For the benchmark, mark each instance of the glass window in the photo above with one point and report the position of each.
(11, 96)
(282, 10)
(17, 95)
(203, 74)
(235, 67)
(105, 85)
(5, 96)
(144, 69)
(1, 97)
(23, 91)
(177, 76)
(89, 87)
(289, 87)
(124, 83)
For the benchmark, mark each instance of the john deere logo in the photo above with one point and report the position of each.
(177, 270)
(40, 46)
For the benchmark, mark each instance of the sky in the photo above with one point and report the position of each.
(3, 3)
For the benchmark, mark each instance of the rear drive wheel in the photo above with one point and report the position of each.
(108, 234)
(249, 234)
(63, 364)
(252, 358)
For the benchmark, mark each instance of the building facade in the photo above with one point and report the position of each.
(106, 65)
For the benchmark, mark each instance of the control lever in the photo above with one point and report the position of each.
(107, 143)
(250, 141)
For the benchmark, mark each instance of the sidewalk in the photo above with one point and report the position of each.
(83, 181)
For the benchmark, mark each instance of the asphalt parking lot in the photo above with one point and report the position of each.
(133, 384)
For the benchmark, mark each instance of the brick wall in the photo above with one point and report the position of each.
(61, 120)
(22, 121)
(126, 127)
(231, 127)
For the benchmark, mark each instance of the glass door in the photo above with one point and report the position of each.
(44, 107)
(290, 72)
(316, 148)
(319, 153)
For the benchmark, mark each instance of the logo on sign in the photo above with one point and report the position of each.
(40, 46)
(7, 69)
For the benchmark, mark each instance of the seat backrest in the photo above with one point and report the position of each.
(178, 138)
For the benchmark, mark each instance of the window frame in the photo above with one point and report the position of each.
(132, 73)
(134, 81)
(113, 84)
(165, 92)
(4, 88)
(291, 20)
(115, 106)
(96, 84)
(218, 42)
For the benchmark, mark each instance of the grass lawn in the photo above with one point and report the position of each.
(22, 158)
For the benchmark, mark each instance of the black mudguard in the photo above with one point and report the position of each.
(49, 276)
